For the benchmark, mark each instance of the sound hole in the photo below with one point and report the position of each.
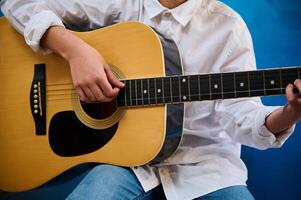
(97, 110)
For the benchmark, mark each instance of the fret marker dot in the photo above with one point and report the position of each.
(242, 84)
(215, 86)
(184, 97)
(144, 91)
(184, 80)
(159, 90)
(272, 82)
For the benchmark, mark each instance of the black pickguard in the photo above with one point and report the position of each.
(69, 137)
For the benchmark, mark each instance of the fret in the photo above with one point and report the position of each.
(171, 88)
(127, 91)
(256, 83)
(167, 89)
(189, 94)
(234, 85)
(133, 92)
(241, 83)
(135, 84)
(124, 90)
(272, 82)
(216, 89)
(163, 90)
(175, 89)
(121, 98)
(299, 77)
(148, 93)
(142, 98)
(282, 90)
(288, 76)
(155, 92)
(184, 88)
(204, 87)
(145, 91)
(194, 88)
(249, 84)
(159, 90)
(199, 87)
(222, 86)
(139, 92)
(264, 90)
(228, 85)
(210, 93)
(152, 91)
(180, 95)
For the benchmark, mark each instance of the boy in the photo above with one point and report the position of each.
(211, 38)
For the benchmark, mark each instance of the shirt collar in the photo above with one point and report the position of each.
(183, 13)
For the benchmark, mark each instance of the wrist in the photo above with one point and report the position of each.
(62, 42)
(292, 114)
(280, 120)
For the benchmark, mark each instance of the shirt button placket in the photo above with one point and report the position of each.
(166, 23)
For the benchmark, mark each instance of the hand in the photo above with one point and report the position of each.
(92, 76)
(281, 120)
(294, 101)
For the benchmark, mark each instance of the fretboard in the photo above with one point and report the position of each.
(186, 88)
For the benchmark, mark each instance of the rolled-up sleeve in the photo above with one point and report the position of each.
(32, 18)
(244, 119)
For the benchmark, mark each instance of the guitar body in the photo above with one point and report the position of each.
(41, 136)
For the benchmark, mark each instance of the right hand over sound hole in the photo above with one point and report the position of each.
(92, 77)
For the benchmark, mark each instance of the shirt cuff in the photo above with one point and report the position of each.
(37, 26)
(267, 138)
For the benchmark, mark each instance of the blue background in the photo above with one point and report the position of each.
(276, 30)
(273, 174)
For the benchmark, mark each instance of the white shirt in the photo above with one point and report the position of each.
(211, 38)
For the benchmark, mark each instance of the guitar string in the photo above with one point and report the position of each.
(197, 95)
(202, 94)
(67, 90)
(289, 75)
(72, 91)
(192, 88)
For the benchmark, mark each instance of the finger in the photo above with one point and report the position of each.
(112, 78)
(89, 94)
(99, 94)
(289, 93)
(106, 87)
(81, 94)
(297, 83)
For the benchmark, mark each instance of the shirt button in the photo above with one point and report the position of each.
(166, 14)
(164, 172)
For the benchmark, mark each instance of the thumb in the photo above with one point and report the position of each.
(112, 78)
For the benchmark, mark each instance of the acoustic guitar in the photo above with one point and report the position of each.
(45, 129)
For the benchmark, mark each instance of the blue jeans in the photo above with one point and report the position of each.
(111, 182)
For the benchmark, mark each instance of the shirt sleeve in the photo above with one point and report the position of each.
(32, 18)
(244, 119)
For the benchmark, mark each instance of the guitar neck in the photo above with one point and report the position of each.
(187, 88)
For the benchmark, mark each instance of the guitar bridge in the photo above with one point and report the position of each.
(38, 99)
